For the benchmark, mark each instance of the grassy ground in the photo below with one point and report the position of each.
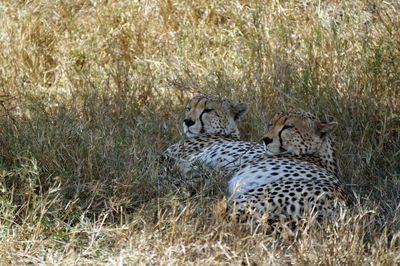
(92, 91)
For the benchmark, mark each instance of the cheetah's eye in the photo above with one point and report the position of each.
(207, 110)
(187, 108)
(286, 126)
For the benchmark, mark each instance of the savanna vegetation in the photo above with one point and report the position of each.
(91, 92)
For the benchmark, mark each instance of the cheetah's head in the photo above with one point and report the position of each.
(296, 133)
(212, 115)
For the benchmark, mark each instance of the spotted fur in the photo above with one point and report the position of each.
(212, 132)
(296, 176)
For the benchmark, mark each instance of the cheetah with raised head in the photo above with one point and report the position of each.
(295, 177)
(211, 127)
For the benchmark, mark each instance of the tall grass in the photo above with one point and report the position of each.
(92, 91)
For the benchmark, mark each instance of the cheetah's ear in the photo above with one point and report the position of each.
(325, 128)
(239, 110)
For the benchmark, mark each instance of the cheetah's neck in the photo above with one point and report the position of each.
(234, 136)
(327, 157)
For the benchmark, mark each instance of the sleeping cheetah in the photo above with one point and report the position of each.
(297, 176)
(212, 141)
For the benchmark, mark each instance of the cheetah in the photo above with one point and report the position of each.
(213, 139)
(296, 176)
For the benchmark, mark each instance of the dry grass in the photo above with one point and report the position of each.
(92, 92)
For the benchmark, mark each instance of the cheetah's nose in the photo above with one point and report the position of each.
(267, 140)
(188, 122)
